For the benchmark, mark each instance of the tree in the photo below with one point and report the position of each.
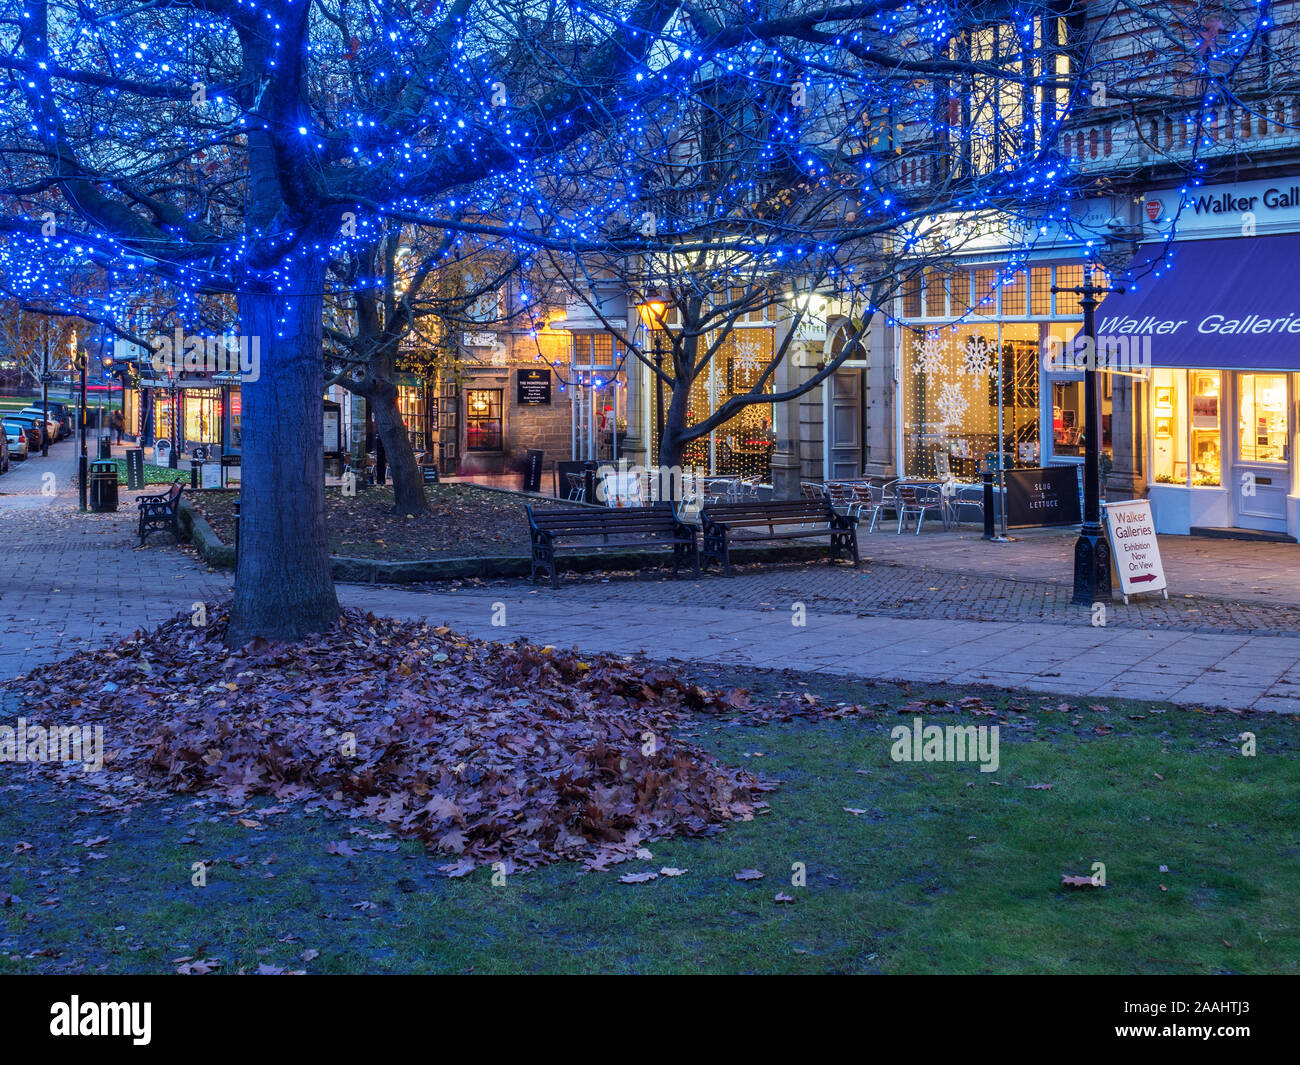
(237, 148)
(407, 293)
(229, 147)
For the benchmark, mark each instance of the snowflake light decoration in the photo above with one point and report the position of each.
(749, 354)
(976, 357)
(931, 354)
(951, 404)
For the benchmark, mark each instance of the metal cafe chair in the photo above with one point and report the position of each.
(917, 500)
(577, 487)
(812, 490)
(840, 494)
(966, 495)
(869, 497)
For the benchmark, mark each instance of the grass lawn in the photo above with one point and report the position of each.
(154, 474)
(463, 520)
(944, 869)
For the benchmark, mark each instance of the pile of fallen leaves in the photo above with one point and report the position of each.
(489, 751)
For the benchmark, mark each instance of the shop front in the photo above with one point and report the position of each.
(742, 446)
(1221, 321)
(973, 376)
(517, 396)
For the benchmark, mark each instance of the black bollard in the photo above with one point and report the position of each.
(987, 477)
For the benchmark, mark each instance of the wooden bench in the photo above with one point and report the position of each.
(774, 520)
(599, 528)
(161, 511)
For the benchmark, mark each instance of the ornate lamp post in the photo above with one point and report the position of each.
(651, 311)
(1091, 551)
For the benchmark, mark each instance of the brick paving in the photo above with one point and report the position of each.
(69, 579)
(928, 608)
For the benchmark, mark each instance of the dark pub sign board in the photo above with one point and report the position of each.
(534, 388)
(1046, 496)
(134, 468)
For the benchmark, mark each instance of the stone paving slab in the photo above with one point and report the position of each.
(898, 649)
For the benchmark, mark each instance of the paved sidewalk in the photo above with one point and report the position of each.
(69, 579)
(1261, 673)
(1226, 569)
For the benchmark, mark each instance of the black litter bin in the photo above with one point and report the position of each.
(103, 487)
(105, 447)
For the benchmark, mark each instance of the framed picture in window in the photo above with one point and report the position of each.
(1164, 398)
(1164, 428)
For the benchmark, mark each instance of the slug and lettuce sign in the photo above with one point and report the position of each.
(1132, 533)
(1046, 496)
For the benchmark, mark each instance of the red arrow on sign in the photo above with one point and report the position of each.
(1143, 578)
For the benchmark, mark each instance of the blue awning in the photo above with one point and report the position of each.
(1230, 304)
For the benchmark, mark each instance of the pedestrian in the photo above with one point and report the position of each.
(117, 423)
(381, 460)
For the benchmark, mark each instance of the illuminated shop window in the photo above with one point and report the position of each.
(936, 294)
(984, 291)
(1067, 303)
(202, 411)
(411, 405)
(1013, 296)
(743, 445)
(1205, 448)
(1040, 296)
(959, 290)
(1262, 425)
(1185, 427)
(483, 419)
(236, 439)
(912, 297)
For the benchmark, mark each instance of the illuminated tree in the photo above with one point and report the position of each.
(239, 147)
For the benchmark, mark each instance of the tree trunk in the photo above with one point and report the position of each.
(408, 479)
(673, 442)
(283, 586)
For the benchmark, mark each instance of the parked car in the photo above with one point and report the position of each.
(16, 441)
(52, 425)
(35, 421)
(31, 426)
(62, 413)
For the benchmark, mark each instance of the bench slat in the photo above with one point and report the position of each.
(594, 528)
(747, 519)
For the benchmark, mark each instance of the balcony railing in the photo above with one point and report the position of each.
(1112, 141)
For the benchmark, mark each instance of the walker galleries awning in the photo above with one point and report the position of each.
(1231, 304)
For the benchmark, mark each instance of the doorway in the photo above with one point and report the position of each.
(1261, 473)
(844, 426)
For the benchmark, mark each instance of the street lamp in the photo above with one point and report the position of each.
(651, 311)
(1091, 552)
(46, 378)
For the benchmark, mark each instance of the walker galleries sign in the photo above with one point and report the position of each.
(1133, 546)
(1047, 496)
(534, 388)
